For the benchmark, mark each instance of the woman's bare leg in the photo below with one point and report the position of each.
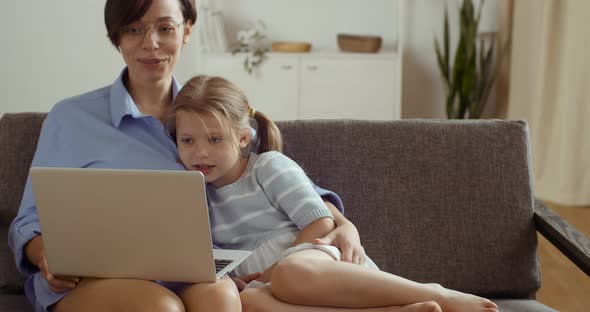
(311, 277)
(93, 294)
(220, 296)
(261, 300)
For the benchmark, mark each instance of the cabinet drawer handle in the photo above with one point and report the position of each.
(287, 67)
(312, 67)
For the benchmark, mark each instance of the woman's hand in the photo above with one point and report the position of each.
(345, 236)
(242, 281)
(35, 252)
(56, 283)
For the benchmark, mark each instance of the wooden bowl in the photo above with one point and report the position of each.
(359, 44)
(291, 46)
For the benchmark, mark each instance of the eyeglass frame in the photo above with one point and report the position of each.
(149, 27)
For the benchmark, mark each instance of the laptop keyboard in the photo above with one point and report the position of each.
(220, 264)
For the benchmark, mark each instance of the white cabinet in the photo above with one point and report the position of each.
(317, 85)
(354, 88)
(272, 90)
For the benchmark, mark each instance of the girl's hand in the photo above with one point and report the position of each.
(57, 284)
(242, 281)
(345, 237)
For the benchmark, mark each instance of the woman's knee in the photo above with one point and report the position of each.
(119, 295)
(222, 295)
(224, 290)
(167, 302)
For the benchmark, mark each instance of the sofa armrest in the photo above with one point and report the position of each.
(571, 242)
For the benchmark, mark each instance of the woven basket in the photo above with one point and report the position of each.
(359, 44)
(289, 46)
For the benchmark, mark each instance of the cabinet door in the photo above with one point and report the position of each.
(271, 89)
(350, 88)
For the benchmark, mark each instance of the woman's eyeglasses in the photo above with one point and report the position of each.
(165, 31)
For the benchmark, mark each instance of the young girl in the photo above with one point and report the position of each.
(264, 202)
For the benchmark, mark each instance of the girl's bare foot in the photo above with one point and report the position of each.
(456, 301)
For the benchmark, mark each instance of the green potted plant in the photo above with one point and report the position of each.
(469, 79)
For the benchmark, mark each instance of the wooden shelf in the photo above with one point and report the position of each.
(386, 54)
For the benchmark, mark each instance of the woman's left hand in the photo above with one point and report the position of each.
(346, 237)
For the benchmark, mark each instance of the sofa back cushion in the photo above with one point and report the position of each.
(434, 201)
(18, 140)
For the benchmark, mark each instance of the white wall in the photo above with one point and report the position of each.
(56, 49)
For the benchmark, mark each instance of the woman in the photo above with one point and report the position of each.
(121, 126)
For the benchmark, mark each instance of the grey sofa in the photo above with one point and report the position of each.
(434, 201)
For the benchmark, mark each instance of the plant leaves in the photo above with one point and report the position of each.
(441, 63)
(447, 42)
(459, 68)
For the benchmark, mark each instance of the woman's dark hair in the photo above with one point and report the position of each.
(120, 13)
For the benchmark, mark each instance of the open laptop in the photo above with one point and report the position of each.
(143, 224)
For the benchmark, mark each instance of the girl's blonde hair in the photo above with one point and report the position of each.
(228, 104)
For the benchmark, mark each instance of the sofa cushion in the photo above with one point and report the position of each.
(18, 140)
(10, 279)
(15, 303)
(434, 201)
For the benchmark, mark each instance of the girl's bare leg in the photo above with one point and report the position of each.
(311, 277)
(220, 296)
(93, 294)
(261, 300)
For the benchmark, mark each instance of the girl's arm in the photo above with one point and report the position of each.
(318, 228)
(289, 190)
(278, 174)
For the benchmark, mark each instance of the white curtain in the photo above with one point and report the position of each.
(550, 88)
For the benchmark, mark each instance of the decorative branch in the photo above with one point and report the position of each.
(252, 42)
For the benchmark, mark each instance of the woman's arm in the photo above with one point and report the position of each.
(24, 237)
(25, 226)
(345, 236)
(34, 250)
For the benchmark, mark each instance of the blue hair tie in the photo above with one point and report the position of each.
(253, 134)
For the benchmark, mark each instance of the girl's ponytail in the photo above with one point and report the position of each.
(268, 134)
